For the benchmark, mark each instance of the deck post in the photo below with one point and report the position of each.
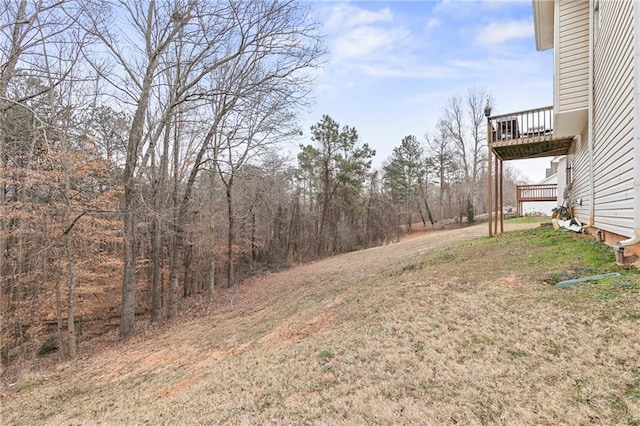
(501, 197)
(496, 217)
(489, 183)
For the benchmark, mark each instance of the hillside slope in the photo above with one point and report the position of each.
(425, 331)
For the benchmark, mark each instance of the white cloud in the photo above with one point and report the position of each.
(364, 17)
(433, 23)
(345, 16)
(443, 6)
(365, 41)
(501, 32)
(476, 65)
(407, 71)
(466, 7)
(360, 34)
(412, 67)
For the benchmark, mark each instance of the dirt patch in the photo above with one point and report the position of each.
(182, 386)
(299, 331)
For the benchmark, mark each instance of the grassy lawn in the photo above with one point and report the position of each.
(471, 333)
(528, 219)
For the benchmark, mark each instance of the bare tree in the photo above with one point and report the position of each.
(462, 122)
(195, 42)
(259, 122)
(441, 157)
(19, 37)
(476, 99)
(39, 44)
(60, 59)
(156, 26)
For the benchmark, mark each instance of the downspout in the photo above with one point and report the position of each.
(619, 248)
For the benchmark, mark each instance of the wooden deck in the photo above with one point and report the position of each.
(526, 134)
(518, 136)
(533, 193)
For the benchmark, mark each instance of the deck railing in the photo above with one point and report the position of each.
(530, 193)
(534, 124)
(546, 192)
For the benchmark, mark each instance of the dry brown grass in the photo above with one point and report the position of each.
(411, 333)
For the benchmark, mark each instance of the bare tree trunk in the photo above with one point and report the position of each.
(212, 230)
(59, 309)
(212, 275)
(174, 266)
(68, 244)
(422, 218)
(129, 275)
(254, 247)
(156, 247)
(71, 271)
(429, 215)
(231, 234)
(19, 269)
(160, 177)
(3, 228)
(129, 285)
(292, 234)
(187, 281)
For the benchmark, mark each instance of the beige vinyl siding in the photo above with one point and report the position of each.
(578, 159)
(573, 56)
(613, 154)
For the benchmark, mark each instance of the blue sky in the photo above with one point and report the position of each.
(392, 66)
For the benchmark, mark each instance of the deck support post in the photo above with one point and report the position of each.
(489, 178)
(501, 197)
(496, 195)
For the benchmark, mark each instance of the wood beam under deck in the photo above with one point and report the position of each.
(531, 147)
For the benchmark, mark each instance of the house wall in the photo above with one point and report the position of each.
(613, 118)
(561, 180)
(572, 56)
(578, 161)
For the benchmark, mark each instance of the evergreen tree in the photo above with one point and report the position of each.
(341, 166)
(405, 174)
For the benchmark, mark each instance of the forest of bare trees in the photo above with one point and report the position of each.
(141, 162)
